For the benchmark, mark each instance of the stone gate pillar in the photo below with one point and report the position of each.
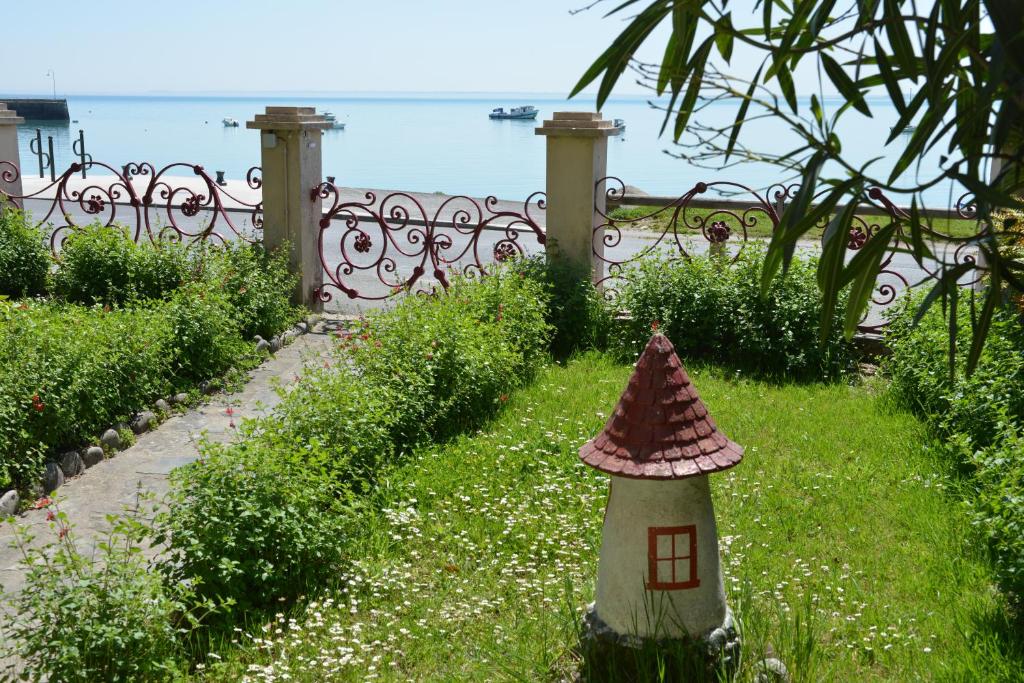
(290, 146)
(577, 157)
(10, 173)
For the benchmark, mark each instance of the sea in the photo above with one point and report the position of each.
(443, 143)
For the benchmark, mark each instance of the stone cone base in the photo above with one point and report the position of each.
(717, 649)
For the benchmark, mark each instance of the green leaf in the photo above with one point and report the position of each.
(993, 298)
(696, 70)
(742, 113)
(830, 266)
(862, 272)
(724, 36)
(844, 84)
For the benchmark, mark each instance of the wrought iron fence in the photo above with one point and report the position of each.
(157, 205)
(375, 248)
(695, 222)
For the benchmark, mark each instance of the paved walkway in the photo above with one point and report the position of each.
(112, 484)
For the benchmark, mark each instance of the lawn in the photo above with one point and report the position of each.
(842, 545)
(953, 227)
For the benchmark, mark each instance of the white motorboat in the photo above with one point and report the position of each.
(620, 124)
(333, 120)
(524, 112)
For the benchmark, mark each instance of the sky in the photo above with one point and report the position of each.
(262, 46)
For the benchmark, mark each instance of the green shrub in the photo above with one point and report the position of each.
(979, 416)
(579, 317)
(81, 618)
(103, 265)
(997, 506)
(68, 372)
(205, 337)
(24, 258)
(255, 522)
(919, 370)
(711, 308)
(447, 360)
(270, 516)
(257, 284)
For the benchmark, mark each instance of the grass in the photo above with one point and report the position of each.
(843, 549)
(954, 227)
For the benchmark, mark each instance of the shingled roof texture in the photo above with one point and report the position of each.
(660, 428)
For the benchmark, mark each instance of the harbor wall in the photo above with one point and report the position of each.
(39, 110)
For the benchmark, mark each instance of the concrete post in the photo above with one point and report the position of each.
(290, 148)
(577, 157)
(9, 121)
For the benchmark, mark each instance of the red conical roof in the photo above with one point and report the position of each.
(660, 428)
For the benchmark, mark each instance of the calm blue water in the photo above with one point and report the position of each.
(422, 144)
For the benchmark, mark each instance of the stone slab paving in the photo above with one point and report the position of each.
(114, 483)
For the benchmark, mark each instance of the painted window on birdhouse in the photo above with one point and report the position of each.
(672, 557)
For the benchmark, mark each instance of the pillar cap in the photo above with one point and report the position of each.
(578, 124)
(289, 118)
(9, 117)
(660, 428)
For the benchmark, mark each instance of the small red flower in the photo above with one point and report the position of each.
(50, 516)
(41, 503)
(231, 424)
(229, 411)
(655, 325)
(63, 532)
(503, 398)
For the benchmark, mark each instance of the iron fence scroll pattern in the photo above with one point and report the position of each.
(156, 204)
(384, 247)
(682, 229)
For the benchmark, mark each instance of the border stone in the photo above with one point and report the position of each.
(143, 422)
(71, 464)
(9, 503)
(111, 439)
(163, 406)
(53, 478)
(93, 455)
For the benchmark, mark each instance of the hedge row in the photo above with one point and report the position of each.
(127, 324)
(979, 418)
(712, 309)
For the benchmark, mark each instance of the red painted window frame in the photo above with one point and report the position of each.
(653, 533)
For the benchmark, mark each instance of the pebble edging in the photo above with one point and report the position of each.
(75, 463)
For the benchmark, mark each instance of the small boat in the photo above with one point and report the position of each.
(333, 120)
(524, 112)
(229, 122)
(620, 124)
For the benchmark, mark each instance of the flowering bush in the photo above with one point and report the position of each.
(81, 618)
(68, 372)
(270, 516)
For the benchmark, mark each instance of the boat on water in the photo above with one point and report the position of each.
(229, 122)
(620, 124)
(524, 112)
(333, 120)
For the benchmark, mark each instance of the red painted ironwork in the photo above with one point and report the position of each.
(660, 429)
(154, 202)
(676, 569)
(723, 228)
(379, 238)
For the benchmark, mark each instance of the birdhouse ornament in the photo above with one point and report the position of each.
(659, 575)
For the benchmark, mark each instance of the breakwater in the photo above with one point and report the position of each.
(39, 110)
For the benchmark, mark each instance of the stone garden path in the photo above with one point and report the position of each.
(113, 483)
